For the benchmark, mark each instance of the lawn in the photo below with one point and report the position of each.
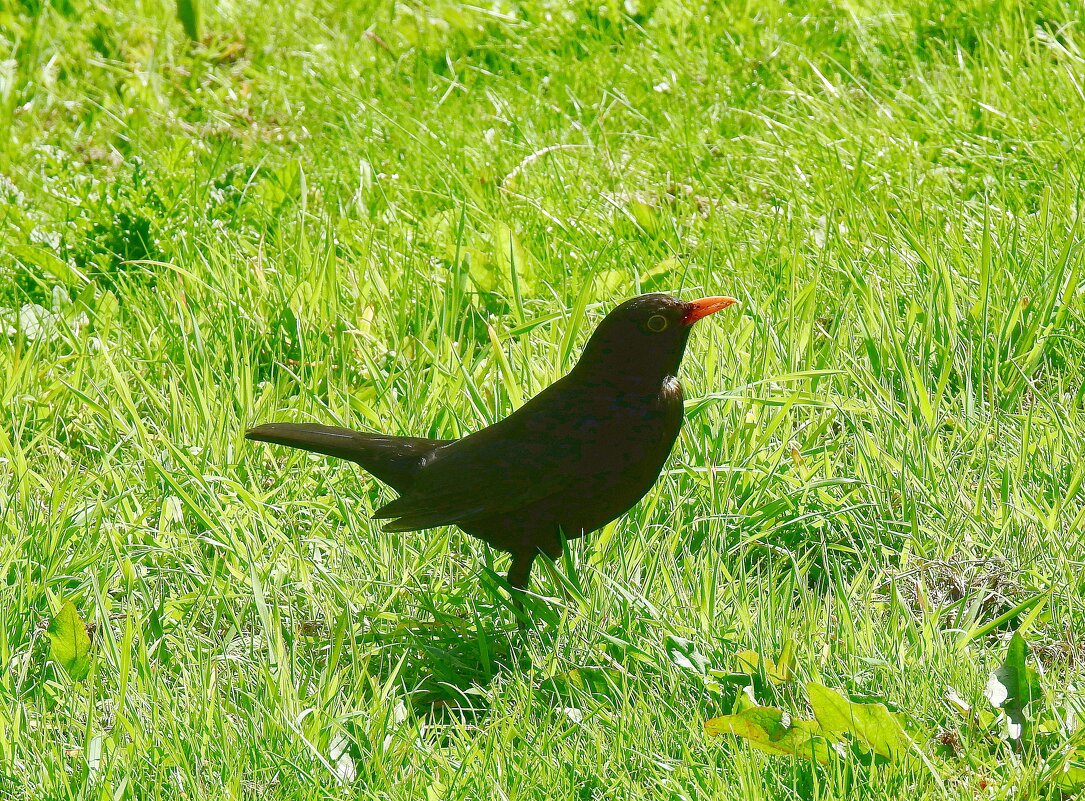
(407, 218)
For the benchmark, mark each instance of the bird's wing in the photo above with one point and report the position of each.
(494, 478)
(528, 456)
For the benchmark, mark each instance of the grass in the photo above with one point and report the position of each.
(407, 218)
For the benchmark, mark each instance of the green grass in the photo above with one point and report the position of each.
(407, 220)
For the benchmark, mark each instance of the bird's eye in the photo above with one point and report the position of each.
(657, 323)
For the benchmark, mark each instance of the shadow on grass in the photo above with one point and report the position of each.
(445, 658)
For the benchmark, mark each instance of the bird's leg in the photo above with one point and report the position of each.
(520, 570)
(518, 577)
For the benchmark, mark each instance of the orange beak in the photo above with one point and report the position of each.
(696, 309)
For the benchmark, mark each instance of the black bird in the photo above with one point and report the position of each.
(576, 456)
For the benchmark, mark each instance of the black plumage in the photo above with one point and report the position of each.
(576, 456)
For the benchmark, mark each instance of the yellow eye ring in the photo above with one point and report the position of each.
(657, 323)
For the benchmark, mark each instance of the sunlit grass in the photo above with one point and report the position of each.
(336, 213)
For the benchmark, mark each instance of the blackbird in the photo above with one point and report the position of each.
(576, 456)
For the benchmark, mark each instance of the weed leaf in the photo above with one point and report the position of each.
(773, 731)
(70, 641)
(1013, 685)
(873, 725)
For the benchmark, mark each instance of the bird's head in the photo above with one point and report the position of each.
(645, 337)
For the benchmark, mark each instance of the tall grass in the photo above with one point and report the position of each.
(407, 218)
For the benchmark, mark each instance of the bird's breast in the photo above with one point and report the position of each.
(638, 432)
(626, 441)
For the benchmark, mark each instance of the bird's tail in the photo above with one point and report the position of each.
(394, 460)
